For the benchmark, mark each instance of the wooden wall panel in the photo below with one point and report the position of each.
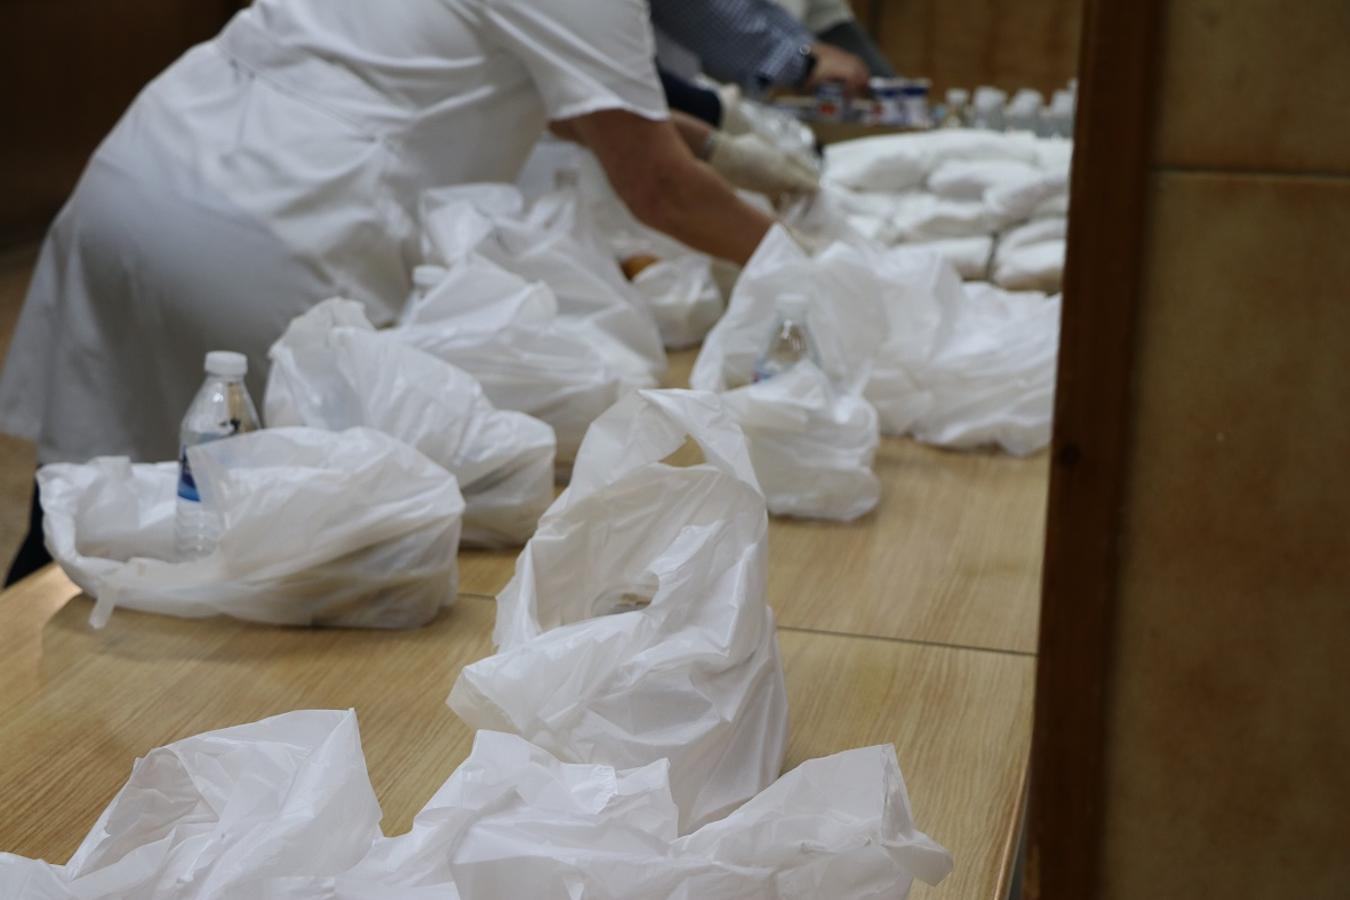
(1256, 85)
(964, 43)
(1227, 730)
(68, 68)
(1192, 670)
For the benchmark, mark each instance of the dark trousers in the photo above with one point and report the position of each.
(32, 553)
(688, 97)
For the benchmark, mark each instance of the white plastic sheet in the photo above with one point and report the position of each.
(952, 364)
(504, 331)
(332, 370)
(549, 241)
(283, 809)
(636, 628)
(320, 528)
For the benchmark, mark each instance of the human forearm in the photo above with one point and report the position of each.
(651, 168)
(694, 133)
(701, 210)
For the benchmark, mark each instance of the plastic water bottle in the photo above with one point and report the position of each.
(988, 105)
(790, 342)
(958, 113)
(222, 408)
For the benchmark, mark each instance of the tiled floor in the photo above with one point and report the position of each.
(16, 457)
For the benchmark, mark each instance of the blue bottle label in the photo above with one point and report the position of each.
(187, 485)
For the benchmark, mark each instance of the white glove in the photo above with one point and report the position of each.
(750, 162)
(734, 119)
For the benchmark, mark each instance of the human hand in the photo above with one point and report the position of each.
(750, 162)
(834, 64)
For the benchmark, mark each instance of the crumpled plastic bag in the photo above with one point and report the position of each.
(504, 332)
(812, 446)
(549, 241)
(283, 809)
(636, 627)
(332, 370)
(684, 296)
(350, 529)
(681, 289)
(951, 364)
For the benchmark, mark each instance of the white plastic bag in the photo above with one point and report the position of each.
(812, 446)
(969, 256)
(968, 179)
(636, 628)
(549, 241)
(952, 364)
(208, 816)
(332, 370)
(684, 297)
(283, 809)
(899, 162)
(1031, 257)
(680, 288)
(1035, 196)
(320, 528)
(504, 332)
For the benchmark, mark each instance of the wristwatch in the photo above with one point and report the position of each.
(809, 62)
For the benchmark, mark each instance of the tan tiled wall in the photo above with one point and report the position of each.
(1228, 733)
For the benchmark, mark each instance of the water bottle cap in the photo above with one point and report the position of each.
(428, 276)
(226, 364)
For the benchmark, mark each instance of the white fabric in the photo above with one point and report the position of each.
(278, 165)
(283, 809)
(636, 627)
(350, 529)
(332, 370)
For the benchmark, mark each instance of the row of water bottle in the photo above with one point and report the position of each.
(222, 408)
(990, 109)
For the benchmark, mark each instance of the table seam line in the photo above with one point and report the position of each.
(868, 637)
(918, 642)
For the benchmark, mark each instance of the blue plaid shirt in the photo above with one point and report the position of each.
(754, 43)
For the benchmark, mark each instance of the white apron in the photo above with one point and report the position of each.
(277, 166)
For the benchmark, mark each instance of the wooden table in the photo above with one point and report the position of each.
(913, 627)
